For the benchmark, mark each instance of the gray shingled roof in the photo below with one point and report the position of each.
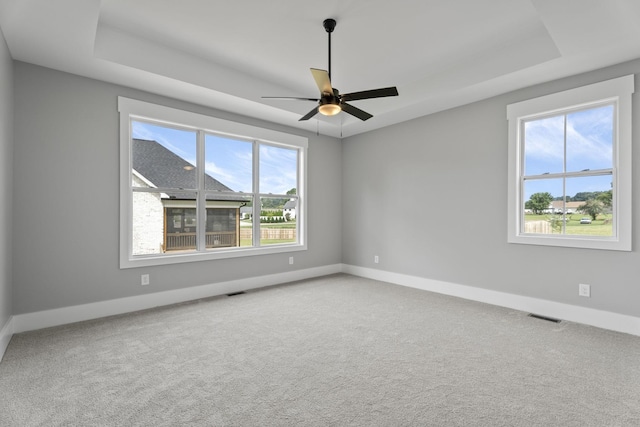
(291, 204)
(165, 169)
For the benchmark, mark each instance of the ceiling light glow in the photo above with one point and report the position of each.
(329, 109)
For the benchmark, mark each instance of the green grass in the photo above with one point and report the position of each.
(274, 242)
(602, 226)
(278, 225)
(248, 242)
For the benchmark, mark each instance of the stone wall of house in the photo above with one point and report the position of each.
(148, 221)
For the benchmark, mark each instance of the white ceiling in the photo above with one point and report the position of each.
(228, 54)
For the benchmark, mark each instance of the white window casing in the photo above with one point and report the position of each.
(130, 109)
(616, 91)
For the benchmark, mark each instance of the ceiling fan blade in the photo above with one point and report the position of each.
(356, 112)
(322, 80)
(368, 94)
(309, 115)
(291, 98)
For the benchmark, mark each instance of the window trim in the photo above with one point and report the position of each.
(135, 109)
(617, 91)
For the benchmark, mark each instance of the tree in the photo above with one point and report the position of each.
(292, 191)
(593, 208)
(583, 196)
(273, 203)
(606, 198)
(539, 202)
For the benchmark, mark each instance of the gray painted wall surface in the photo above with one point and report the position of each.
(429, 196)
(6, 183)
(67, 203)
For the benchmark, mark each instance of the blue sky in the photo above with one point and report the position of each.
(228, 160)
(589, 145)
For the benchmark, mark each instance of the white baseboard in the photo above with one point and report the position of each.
(5, 336)
(588, 316)
(78, 313)
(48, 318)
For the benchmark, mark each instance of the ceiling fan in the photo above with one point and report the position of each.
(331, 102)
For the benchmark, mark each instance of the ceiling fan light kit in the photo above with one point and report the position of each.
(329, 109)
(331, 102)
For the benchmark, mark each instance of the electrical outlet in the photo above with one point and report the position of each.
(144, 279)
(290, 260)
(584, 290)
(376, 259)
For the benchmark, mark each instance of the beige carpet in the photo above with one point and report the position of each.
(333, 351)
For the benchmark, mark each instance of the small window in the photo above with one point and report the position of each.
(195, 187)
(570, 168)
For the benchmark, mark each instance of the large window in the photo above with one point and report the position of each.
(570, 167)
(195, 187)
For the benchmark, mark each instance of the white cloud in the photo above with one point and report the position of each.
(589, 140)
(180, 142)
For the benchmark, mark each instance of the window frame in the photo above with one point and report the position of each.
(616, 91)
(131, 109)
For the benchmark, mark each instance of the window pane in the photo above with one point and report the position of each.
(228, 164)
(275, 226)
(593, 199)
(540, 217)
(544, 146)
(590, 139)
(181, 228)
(222, 227)
(163, 157)
(278, 170)
(228, 222)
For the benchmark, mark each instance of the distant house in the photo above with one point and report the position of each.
(569, 207)
(246, 212)
(168, 220)
(290, 209)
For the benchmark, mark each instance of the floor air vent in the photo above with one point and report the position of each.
(233, 294)
(548, 319)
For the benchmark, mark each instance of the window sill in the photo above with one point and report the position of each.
(579, 242)
(164, 259)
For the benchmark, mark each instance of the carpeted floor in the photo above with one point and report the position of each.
(332, 351)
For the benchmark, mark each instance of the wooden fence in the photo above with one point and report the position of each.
(538, 227)
(270, 233)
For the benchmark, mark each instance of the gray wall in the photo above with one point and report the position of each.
(429, 196)
(67, 203)
(6, 183)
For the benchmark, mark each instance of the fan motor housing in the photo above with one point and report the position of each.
(329, 25)
(330, 98)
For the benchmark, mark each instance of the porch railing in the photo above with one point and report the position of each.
(214, 239)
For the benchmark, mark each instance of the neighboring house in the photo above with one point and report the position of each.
(290, 208)
(246, 212)
(168, 220)
(569, 207)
